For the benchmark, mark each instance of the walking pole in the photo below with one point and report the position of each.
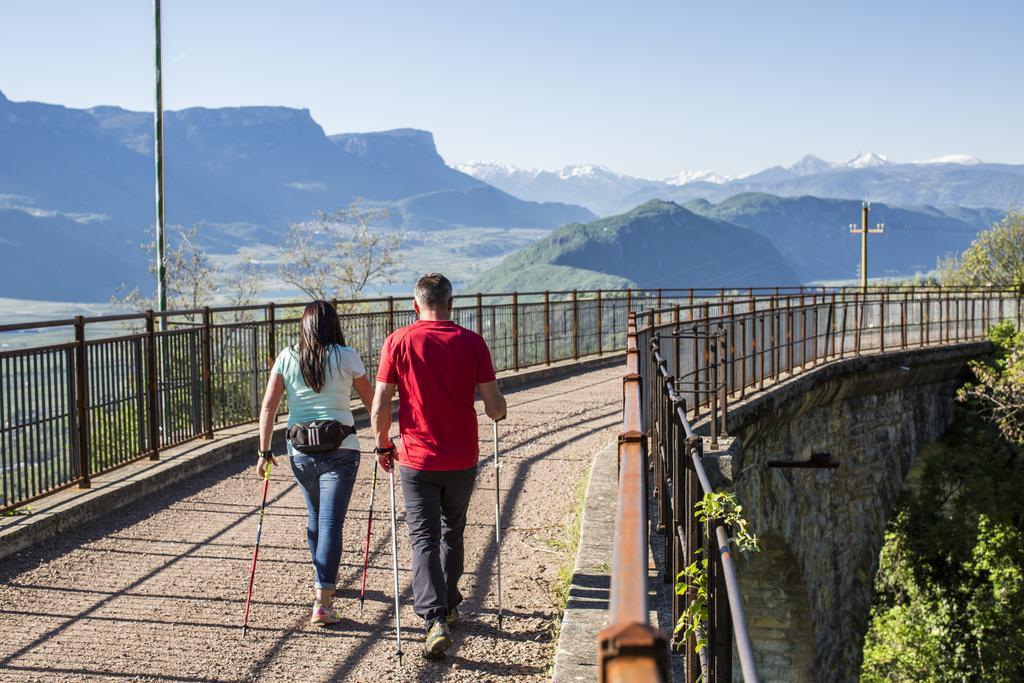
(256, 550)
(394, 563)
(369, 526)
(497, 514)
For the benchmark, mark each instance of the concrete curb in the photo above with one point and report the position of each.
(73, 507)
(586, 612)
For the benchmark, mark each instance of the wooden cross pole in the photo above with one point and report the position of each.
(863, 231)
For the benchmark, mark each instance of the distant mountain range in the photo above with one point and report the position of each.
(76, 198)
(746, 240)
(949, 181)
(813, 236)
(657, 244)
(245, 172)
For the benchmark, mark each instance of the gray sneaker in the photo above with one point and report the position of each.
(453, 617)
(438, 640)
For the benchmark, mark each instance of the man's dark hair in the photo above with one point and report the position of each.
(433, 291)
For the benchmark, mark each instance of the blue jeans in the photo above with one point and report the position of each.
(326, 480)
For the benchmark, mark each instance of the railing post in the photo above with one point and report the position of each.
(926, 318)
(679, 511)
(731, 339)
(790, 329)
(722, 644)
(696, 370)
(575, 325)
(884, 308)
(271, 334)
(814, 335)
(82, 405)
(803, 334)
(676, 345)
(152, 404)
(858, 308)
(480, 314)
(207, 373)
(629, 301)
(600, 324)
(547, 328)
(724, 345)
(712, 623)
(659, 305)
(515, 331)
(743, 359)
(713, 364)
(708, 350)
(773, 324)
(391, 314)
(692, 541)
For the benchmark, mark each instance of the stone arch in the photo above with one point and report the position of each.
(778, 613)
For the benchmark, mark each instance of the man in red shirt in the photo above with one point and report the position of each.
(437, 368)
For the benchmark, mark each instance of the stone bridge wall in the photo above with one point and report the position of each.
(808, 593)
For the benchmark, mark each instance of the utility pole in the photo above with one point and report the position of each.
(863, 232)
(158, 137)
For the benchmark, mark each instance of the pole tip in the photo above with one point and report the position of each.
(245, 631)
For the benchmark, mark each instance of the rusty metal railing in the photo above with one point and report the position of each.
(81, 396)
(686, 362)
(85, 395)
(629, 648)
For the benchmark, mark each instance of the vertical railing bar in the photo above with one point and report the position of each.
(81, 406)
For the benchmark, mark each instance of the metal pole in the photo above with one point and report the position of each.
(864, 248)
(575, 326)
(394, 561)
(515, 331)
(547, 328)
(497, 516)
(271, 335)
(82, 403)
(152, 406)
(256, 548)
(207, 373)
(480, 315)
(158, 137)
(369, 532)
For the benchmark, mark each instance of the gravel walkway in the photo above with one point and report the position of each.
(157, 592)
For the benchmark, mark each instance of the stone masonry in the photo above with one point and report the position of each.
(808, 592)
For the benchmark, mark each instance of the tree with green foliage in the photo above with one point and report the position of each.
(996, 257)
(949, 595)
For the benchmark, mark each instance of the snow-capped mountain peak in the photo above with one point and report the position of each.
(684, 177)
(810, 165)
(963, 159)
(868, 160)
(588, 171)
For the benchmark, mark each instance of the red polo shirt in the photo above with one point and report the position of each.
(436, 365)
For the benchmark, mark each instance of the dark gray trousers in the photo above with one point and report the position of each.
(435, 511)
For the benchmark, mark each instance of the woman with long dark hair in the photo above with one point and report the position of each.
(319, 374)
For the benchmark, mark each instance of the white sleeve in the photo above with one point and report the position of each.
(353, 363)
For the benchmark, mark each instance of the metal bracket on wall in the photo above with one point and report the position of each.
(817, 461)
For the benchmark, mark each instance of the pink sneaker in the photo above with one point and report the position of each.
(324, 616)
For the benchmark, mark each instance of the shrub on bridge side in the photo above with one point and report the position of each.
(949, 593)
(995, 257)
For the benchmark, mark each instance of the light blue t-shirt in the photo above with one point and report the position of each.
(341, 366)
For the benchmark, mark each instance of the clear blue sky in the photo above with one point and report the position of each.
(647, 88)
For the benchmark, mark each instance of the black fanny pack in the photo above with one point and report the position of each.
(319, 436)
